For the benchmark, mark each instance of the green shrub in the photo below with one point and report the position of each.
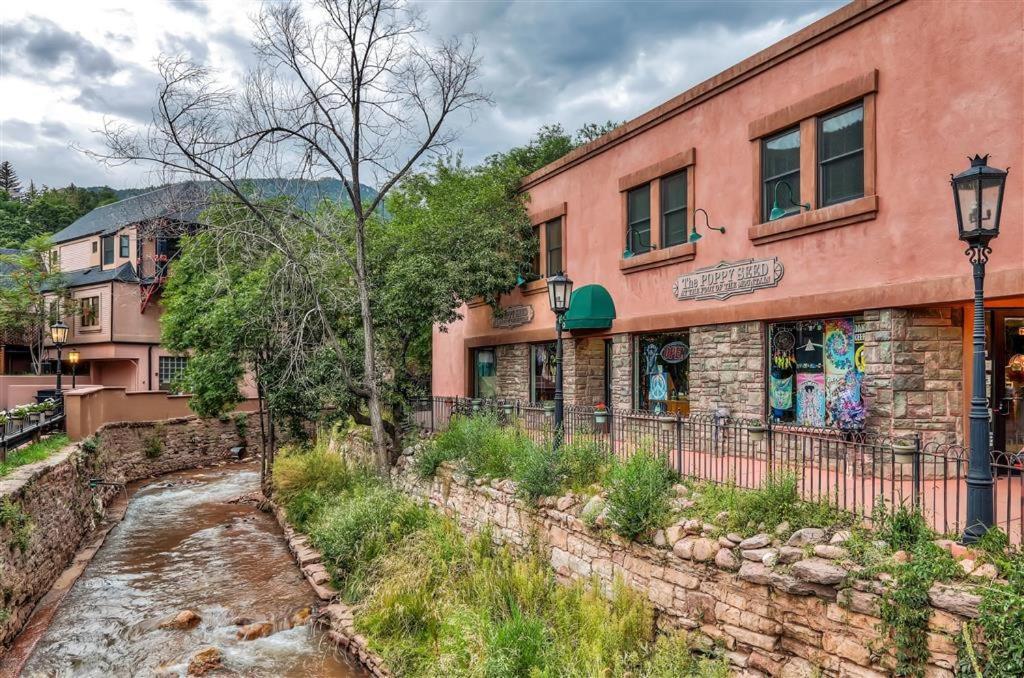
(316, 470)
(903, 527)
(354, 530)
(91, 445)
(487, 449)
(429, 458)
(639, 490)
(153, 447)
(674, 657)
(778, 500)
(537, 472)
(583, 462)
(19, 523)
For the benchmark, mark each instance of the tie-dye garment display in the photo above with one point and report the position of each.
(810, 399)
(781, 393)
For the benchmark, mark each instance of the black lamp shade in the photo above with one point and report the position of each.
(978, 195)
(559, 293)
(59, 333)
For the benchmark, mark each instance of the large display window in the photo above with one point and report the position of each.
(542, 372)
(485, 373)
(661, 373)
(815, 373)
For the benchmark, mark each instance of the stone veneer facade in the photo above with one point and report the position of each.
(913, 380)
(798, 620)
(55, 495)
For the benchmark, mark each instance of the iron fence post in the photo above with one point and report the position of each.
(916, 471)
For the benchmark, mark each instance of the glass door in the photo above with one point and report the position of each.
(1008, 381)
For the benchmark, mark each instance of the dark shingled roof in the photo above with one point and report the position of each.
(90, 276)
(178, 202)
(6, 268)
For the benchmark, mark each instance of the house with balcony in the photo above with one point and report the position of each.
(780, 242)
(113, 263)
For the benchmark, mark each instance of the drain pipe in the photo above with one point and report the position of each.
(99, 482)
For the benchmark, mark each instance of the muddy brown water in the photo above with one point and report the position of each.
(184, 545)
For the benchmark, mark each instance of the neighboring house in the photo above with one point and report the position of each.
(114, 262)
(864, 294)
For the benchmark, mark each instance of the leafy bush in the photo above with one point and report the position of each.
(639, 490)
(153, 447)
(674, 656)
(537, 472)
(355, 529)
(1001, 612)
(429, 458)
(19, 523)
(317, 470)
(903, 527)
(487, 449)
(583, 462)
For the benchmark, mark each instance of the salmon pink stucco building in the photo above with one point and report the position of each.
(838, 285)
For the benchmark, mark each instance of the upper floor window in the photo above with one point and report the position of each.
(841, 155)
(535, 260)
(780, 162)
(673, 209)
(108, 251)
(124, 243)
(54, 260)
(638, 219)
(553, 243)
(90, 313)
(94, 247)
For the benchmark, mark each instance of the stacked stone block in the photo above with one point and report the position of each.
(727, 365)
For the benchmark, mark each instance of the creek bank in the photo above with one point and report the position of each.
(336, 616)
(777, 610)
(58, 510)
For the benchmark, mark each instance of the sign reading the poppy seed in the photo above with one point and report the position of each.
(728, 278)
(512, 316)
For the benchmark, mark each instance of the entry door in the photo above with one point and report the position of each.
(1008, 380)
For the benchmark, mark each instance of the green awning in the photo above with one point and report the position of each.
(590, 308)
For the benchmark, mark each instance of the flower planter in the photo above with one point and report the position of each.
(904, 451)
(601, 416)
(756, 432)
(508, 408)
(667, 424)
(549, 411)
(476, 404)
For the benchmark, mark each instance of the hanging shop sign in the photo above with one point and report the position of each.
(728, 278)
(512, 316)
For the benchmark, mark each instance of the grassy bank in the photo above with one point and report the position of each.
(432, 602)
(32, 453)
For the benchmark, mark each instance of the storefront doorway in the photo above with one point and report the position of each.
(1008, 381)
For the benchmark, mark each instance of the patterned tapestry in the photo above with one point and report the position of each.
(810, 399)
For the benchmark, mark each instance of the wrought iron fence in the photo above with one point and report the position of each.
(851, 471)
(16, 431)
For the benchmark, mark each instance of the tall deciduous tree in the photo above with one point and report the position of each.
(343, 89)
(32, 296)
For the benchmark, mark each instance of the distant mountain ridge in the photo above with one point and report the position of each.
(307, 193)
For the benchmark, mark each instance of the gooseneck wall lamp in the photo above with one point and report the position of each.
(695, 236)
(779, 212)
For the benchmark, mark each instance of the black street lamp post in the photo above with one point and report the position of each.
(559, 295)
(978, 196)
(59, 337)
(74, 357)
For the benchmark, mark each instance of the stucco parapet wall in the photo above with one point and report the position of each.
(338, 617)
(796, 618)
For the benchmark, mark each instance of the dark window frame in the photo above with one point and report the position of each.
(552, 346)
(124, 246)
(665, 212)
(90, 310)
(552, 267)
(535, 261)
(768, 183)
(108, 252)
(171, 367)
(476, 375)
(822, 161)
(633, 234)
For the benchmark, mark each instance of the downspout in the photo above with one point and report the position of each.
(149, 368)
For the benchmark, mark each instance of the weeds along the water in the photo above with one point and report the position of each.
(432, 602)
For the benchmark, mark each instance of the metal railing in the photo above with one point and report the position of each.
(16, 432)
(851, 471)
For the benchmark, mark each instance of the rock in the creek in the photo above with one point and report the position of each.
(299, 617)
(241, 620)
(205, 660)
(254, 631)
(184, 620)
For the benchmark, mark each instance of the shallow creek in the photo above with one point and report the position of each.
(184, 545)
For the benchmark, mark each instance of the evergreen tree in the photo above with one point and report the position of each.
(9, 178)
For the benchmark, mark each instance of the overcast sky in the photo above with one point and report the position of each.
(67, 65)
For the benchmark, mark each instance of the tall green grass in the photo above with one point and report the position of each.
(639, 490)
(33, 453)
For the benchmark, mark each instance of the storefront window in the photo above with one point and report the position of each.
(661, 369)
(815, 373)
(485, 374)
(542, 372)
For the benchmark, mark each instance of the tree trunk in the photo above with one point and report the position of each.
(380, 447)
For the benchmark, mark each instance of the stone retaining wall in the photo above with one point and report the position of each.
(792, 617)
(55, 495)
